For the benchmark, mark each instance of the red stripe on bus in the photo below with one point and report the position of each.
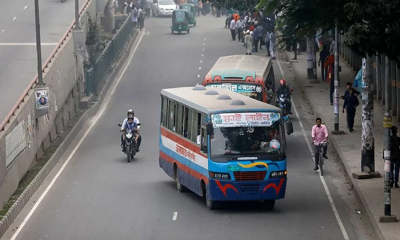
(183, 167)
(182, 141)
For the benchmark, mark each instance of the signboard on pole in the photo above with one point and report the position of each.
(41, 101)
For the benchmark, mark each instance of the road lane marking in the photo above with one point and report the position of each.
(25, 7)
(201, 61)
(328, 193)
(2, 31)
(26, 44)
(202, 55)
(199, 68)
(14, 18)
(205, 39)
(204, 44)
(203, 49)
(175, 216)
(198, 76)
(93, 122)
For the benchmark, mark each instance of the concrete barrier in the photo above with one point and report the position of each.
(37, 181)
(23, 137)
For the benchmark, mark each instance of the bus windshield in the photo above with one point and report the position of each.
(234, 139)
(252, 90)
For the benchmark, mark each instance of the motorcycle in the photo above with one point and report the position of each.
(282, 101)
(131, 137)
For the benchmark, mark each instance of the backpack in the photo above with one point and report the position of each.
(141, 15)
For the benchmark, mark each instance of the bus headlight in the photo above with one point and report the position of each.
(224, 176)
(278, 174)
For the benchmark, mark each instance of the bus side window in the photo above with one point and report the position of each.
(193, 126)
(185, 121)
(172, 110)
(164, 111)
(203, 137)
(180, 119)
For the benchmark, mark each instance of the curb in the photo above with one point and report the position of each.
(34, 185)
(339, 155)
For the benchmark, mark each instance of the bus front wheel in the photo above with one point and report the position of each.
(179, 186)
(268, 204)
(212, 205)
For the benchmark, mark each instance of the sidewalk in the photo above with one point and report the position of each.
(348, 147)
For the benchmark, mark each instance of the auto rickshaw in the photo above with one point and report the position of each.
(180, 21)
(191, 8)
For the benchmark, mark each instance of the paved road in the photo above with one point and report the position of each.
(18, 63)
(100, 196)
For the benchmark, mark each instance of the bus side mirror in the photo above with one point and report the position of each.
(289, 127)
(210, 129)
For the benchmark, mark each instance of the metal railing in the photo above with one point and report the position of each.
(48, 61)
(95, 75)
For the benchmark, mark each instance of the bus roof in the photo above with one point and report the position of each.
(206, 100)
(252, 63)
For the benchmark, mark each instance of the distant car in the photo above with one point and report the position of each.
(163, 7)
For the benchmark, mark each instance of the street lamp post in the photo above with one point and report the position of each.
(336, 130)
(38, 46)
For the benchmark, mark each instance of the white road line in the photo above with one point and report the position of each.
(175, 216)
(204, 44)
(328, 193)
(26, 44)
(2, 31)
(93, 123)
(205, 39)
(198, 76)
(199, 68)
(202, 55)
(25, 7)
(201, 61)
(203, 49)
(14, 18)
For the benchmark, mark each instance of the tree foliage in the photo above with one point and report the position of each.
(241, 5)
(371, 26)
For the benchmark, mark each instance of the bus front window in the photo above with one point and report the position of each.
(247, 141)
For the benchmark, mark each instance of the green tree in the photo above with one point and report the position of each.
(371, 26)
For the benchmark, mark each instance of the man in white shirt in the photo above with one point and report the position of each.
(233, 29)
(239, 27)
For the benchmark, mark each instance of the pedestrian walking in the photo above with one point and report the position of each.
(323, 55)
(350, 104)
(248, 42)
(134, 15)
(141, 18)
(232, 27)
(148, 8)
(267, 42)
(272, 44)
(239, 27)
(394, 158)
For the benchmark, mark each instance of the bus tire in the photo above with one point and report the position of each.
(212, 205)
(179, 186)
(268, 204)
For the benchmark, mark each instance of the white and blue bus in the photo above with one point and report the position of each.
(222, 145)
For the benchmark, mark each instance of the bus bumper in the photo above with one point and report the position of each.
(220, 190)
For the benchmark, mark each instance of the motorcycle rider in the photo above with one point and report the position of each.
(284, 89)
(129, 123)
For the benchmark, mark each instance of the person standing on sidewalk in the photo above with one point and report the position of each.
(394, 158)
(272, 44)
(232, 27)
(350, 104)
(319, 134)
(239, 27)
(141, 18)
(321, 62)
(248, 42)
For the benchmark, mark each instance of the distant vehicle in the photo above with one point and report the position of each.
(180, 21)
(223, 146)
(250, 75)
(163, 7)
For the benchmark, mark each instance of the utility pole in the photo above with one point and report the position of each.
(41, 91)
(38, 46)
(367, 123)
(77, 22)
(387, 124)
(336, 130)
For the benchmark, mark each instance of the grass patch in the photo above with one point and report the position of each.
(31, 174)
